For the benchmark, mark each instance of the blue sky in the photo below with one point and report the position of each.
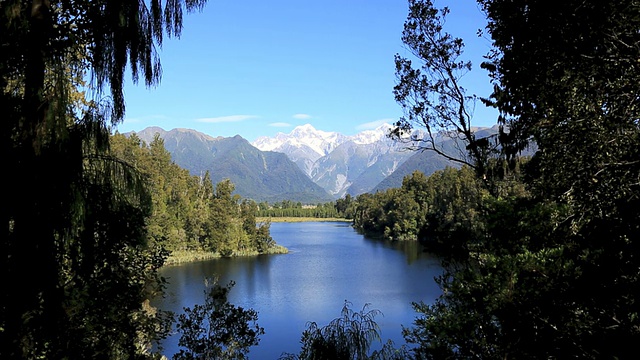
(254, 68)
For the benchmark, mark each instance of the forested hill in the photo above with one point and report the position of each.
(257, 175)
(189, 213)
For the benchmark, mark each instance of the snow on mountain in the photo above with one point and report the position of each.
(372, 136)
(321, 142)
(335, 161)
(364, 162)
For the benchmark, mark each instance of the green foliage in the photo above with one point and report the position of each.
(501, 300)
(188, 213)
(442, 210)
(79, 214)
(72, 211)
(348, 337)
(432, 96)
(550, 272)
(217, 329)
(344, 207)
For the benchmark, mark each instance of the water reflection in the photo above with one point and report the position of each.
(412, 249)
(328, 263)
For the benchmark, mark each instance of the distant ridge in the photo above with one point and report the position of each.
(340, 164)
(292, 166)
(257, 175)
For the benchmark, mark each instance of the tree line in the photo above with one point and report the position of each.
(189, 213)
(442, 210)
(341, 208)
(539, 254)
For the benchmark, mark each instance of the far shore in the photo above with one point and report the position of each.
(186, 256)
(298, 219)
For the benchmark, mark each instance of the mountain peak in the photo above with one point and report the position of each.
(303, 136)
(257, 175)
(305, 127)
(308, 131)
(372, 136)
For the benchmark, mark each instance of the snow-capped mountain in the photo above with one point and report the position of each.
(304, 145)
(372, 136)
(340, 164)
(321, 142)
(257, 175)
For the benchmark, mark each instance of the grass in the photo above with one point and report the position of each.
(185, 256)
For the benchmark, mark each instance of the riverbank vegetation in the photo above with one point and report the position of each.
(191, 218)
(184, 256)
(441, 211)
(539, 254)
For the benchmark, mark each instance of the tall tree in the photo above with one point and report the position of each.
(579, 102)
(554, 274)
(431, 94)
(69, 207)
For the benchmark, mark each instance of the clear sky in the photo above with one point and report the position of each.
(255, 67)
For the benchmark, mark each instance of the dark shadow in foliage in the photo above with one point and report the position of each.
(348, 337)
(217, 329)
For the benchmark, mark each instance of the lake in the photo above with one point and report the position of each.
(327, 263)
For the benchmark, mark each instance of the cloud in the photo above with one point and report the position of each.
(225, 119)
(280, 124)
(301, 116)
(375, 124)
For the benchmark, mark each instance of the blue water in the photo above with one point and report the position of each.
(327, 263)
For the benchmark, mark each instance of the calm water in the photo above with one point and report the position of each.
(328, 263)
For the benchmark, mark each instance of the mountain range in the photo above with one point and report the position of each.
(258, 175)
(305, 165)
(338, 163)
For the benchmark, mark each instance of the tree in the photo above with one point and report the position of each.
(348, 337)
(566, 79)
(344, 206)
(432, 96)
(222, 219)
(580, 107)
(217, 329)
(187, 214)
(586, 86)
(72, 208)
(262, 238)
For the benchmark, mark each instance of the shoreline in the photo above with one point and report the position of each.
(186, 256)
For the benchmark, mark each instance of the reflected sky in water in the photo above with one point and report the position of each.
(327, 263)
